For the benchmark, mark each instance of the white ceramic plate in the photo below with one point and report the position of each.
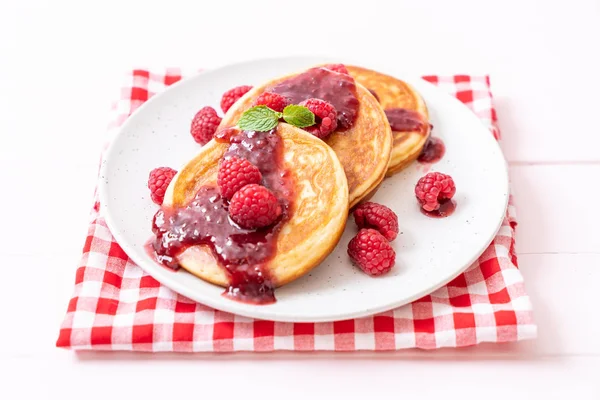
(430, 252)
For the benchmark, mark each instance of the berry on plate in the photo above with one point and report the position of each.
(372, 252)
(204, 125)
(434, 188)
(326, 115)
(235, 173)
(158, 181)
(377, 216)
(254, 206)
(233, 95)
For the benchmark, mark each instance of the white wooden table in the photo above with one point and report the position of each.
(60, 65)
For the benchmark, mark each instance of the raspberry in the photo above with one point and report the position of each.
(372, 252)
(233, 95)
(379, 217)
(274, 101)
(341, 68)
(158, 181)
(254, 206)
(433, 188)
(326, 116)
(204, 125)
(236, 173)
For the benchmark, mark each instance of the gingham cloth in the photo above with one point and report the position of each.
(117, 306)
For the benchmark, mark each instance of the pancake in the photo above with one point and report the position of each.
(364, 148)
(316, 217)
(396, 94)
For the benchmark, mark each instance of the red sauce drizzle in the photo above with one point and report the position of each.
(433, 151)
(335, 88)
(205, 221)
(404, 120)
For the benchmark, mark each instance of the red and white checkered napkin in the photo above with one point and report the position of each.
(117, 306)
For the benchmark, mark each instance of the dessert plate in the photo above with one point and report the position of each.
(430, 252)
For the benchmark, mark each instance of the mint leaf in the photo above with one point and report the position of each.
(299, 116)
(259, 118)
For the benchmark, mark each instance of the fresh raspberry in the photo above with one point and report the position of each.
(372, 252)
(326, 117)
(233, 95)
(204, 125)
(235, 173)
(274, 101)
(158, 181)
(254, 206)
(341, 68)
(379, 217)
(433, 188)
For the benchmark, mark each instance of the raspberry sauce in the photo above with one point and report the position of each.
(404, 120)
(433, 151)
(205, 221)
(337, 89)
(446, 209)
(374, 93)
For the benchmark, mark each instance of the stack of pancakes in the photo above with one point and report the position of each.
(330, 176)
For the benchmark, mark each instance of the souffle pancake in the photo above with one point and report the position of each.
(309, 181)
(363, 138)
(406, 112)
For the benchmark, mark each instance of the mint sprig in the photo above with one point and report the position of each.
(262, 118)
(299, 116)
(259, 118)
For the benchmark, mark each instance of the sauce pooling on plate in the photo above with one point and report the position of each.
(433, 151)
